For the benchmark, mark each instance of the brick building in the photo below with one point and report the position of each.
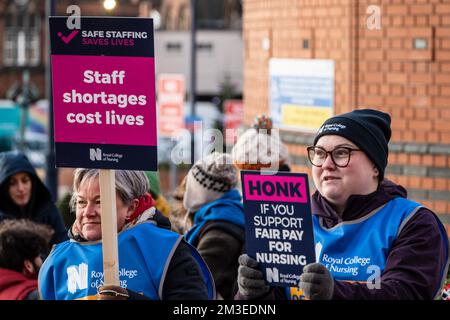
(23, 43)
(402, 68)
(29, 18)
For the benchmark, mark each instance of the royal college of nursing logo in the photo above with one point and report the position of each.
(273, 275)
(332, 127)
(318, 250)
(77, 276)
(95, 154)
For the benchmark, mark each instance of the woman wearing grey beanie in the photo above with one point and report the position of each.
(215, 219)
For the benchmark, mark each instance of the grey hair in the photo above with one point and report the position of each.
(129, 184)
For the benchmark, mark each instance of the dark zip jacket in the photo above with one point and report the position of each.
(40, 207)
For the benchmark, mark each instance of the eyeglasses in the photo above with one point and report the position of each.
(340, 156)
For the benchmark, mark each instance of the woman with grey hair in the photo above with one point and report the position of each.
(153, 260)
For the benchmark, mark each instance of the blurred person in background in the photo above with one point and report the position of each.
(260, 147)
(178, 213)
(24, 245)
(161, 203)
(24, 196)
(215, 219)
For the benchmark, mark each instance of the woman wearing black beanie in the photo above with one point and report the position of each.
(371, 241)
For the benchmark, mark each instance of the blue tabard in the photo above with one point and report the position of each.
(74, 270)
(354, 250)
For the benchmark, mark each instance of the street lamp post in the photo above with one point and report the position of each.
(51, 177)
(25, 104)
(193, 76)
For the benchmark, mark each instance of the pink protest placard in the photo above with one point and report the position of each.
(106, 113)
(103, 80)
(275, 188)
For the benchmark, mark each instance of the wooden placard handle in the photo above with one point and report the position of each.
(110, 248)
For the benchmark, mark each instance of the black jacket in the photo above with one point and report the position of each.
(40, 208)
(220, 243)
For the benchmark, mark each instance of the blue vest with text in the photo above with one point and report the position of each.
(358, 249)
(75, 270)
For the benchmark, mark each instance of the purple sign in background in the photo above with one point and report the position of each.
(72, 117)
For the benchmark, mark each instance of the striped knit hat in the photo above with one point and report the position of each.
(208, 179)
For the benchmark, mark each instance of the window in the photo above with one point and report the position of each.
(21, 37)
(210, 14)
(219, 14)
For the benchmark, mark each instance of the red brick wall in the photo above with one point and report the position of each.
(414, 85)
(325, 23)
(373, 68)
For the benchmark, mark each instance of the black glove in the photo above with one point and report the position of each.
(317, 282)
(112, 292)
(251, 280)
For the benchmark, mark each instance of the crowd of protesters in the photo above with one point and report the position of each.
(193, 246)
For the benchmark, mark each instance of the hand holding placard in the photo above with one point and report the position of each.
(104, 108)
(104, 94)
(279, 233)
(251, 280)
(317, 282)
